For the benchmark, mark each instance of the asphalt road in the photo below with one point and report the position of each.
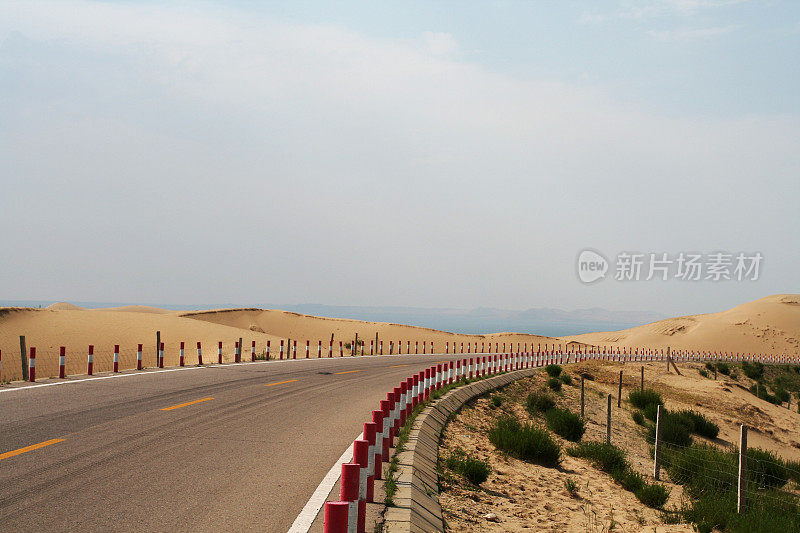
(246, 455)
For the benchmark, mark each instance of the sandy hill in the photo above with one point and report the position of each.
(768, 325)
(76, 328)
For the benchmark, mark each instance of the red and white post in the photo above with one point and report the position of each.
(219, 353)
(116, 357)
(32, 365)
(139, 356)
(180, 355)
(62, 362)
(199, 354)
(90, 362)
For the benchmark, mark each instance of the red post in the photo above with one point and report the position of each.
(319, 349)
(90, 364)
(199, 354)
(180, 355)
(219, 353)
(341, 350)
(116, 358)
(62, 362)
(281, 349)
(366, 485)
(380, 438)
(161, 356)
(330, 349)
(253, 351)
(294, 349)
(236, 351)
(336, 517)
(387, 441)
(268, 350)
(139, 357)
(32, 365)
(308, 343)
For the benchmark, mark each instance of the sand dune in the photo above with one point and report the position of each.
(769, 325)
(75, 328)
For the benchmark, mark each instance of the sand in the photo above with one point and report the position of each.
(76, 328)
(769, 325)
(530, 497)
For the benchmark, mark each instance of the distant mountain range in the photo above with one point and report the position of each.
(541, 321)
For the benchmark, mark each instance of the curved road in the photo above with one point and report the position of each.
(218, 448)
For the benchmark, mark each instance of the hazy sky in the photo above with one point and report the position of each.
(454, 154)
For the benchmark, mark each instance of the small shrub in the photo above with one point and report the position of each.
(765, 469)
(753, 370)
(606, 457)
(782, 395)
(703, 373)
(638, 417)
(525, 442)
(734, 375)
(709, 366)
(698, 423)
(653, 495)
(553, 370)
(702, 468)
(628, 479)
(760, 390)
(539, 402)
(554, 384)
(566, 379)
(497, 400)
(474, 470)
(651, 411)
(565, 424)
(642, 398)
(674, 430)
(571, 486)
(724, 368)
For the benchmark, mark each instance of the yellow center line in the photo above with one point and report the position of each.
(346, 372)
(280, 382)
(397, 366)
(30, 448)
(185, 404)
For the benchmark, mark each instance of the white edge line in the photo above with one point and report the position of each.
(213, 365)
(309, 513)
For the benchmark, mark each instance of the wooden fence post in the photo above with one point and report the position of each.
(582, 397)
(23, 357)
(158, 346)
(608, 419)
(642, 385)
(619, 392)
(740, 503)
(657, 446)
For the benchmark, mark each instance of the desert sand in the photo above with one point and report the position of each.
(525, 496)
(769, 325)
(64, 324)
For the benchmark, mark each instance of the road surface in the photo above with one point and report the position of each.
(220, 448)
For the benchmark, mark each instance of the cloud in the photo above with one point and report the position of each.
(200, 148)
(693, 34)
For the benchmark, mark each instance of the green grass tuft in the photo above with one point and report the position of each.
(525, 441)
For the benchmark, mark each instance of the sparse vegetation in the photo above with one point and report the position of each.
(497, 400)
(471, 468)
(611, 459)
(642, 398)
(565, 424)
(553, 370)
(703, 372)
(554, 384)
(539, 402)
(638, 417)
(566, 379)
(753, 370)
(571, 486)
(525, 441)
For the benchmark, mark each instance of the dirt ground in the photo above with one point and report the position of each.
(527, 497)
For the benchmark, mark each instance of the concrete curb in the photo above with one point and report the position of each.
(416, 501)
